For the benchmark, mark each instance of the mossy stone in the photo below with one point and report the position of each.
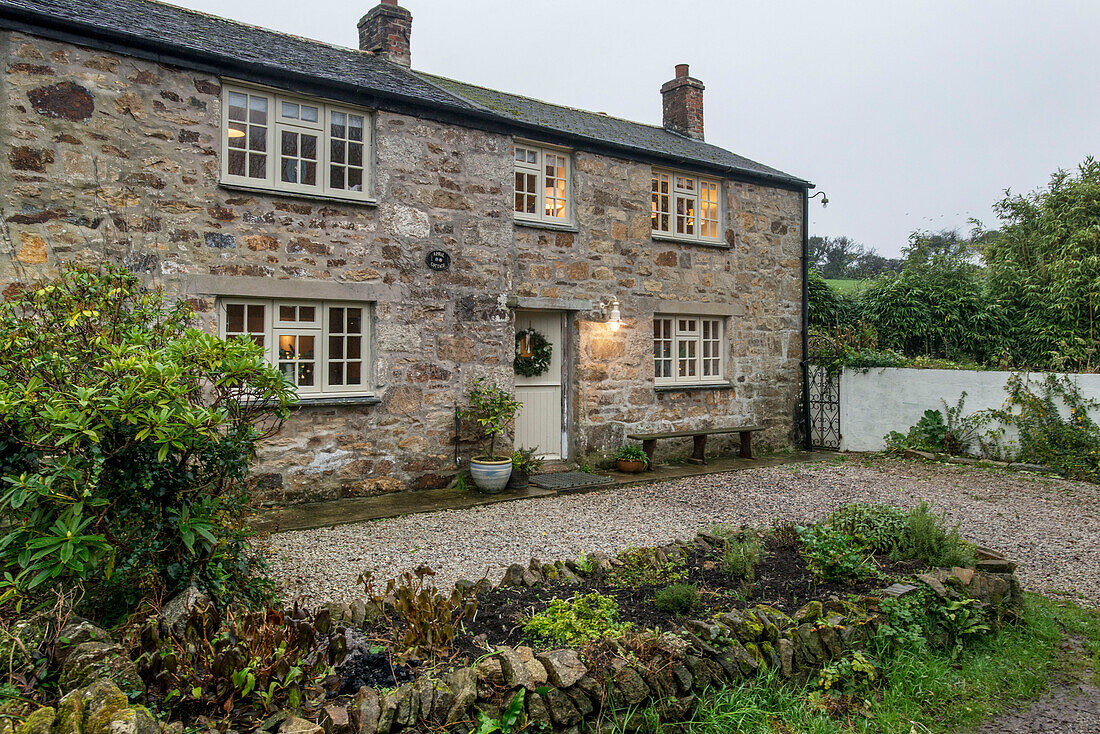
(90, 661)
(102, 701)
(39, 722)
(70, 713)
(809, 613)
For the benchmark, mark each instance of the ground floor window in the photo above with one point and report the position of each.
(688, 349)
(320, 346)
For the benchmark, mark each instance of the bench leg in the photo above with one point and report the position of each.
(746, 444)
(648, 447)
(699, 455)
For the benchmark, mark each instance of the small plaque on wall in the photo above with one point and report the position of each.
(438, 260)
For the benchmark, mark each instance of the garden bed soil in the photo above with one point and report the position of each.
(782, 581)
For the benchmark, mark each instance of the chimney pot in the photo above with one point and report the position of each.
(682, 101)
(386, 31)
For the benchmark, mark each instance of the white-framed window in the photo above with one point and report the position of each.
(685, 206)
(542, 184)
(688, 349)
(320, 346)
(284, 143)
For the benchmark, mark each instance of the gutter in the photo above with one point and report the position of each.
(87, 34)
(806, 319)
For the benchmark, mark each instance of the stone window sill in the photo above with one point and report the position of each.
(333, 400)
(297, 195)
(717, 244)
(536, 224)
(694, 386)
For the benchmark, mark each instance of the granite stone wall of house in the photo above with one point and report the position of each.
(110, 157)
(752, 282)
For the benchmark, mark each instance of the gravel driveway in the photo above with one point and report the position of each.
(1051, 527)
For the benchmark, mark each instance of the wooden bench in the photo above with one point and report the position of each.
(649, 441)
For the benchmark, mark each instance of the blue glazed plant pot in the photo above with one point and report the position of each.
(491, 476)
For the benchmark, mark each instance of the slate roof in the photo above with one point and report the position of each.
(192, 39)
(607, 129)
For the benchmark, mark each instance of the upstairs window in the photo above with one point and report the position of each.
(685, 207)
(688, 350)
(288, 144)
(542, 185)
(320, 346)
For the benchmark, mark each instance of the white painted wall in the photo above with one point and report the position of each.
(877, 401)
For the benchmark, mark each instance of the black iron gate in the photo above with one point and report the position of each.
(824, 392)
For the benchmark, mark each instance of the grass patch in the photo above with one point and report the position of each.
(918, 691)
(677, 599)
(845, 285)
(740, 558)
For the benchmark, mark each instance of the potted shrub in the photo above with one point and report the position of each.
(631, 459)
(524, 464)
(491, 408)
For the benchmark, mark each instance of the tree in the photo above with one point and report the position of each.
(832, 256)
(842, 257)
(936, 306)
(1045, 270)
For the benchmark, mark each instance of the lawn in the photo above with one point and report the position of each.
(845, 285)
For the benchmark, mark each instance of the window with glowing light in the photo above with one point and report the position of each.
(685, 207)
(542, 184)
(688, 350)
(294, 145)
(322, 347)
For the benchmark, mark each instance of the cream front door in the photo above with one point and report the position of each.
(539, 422)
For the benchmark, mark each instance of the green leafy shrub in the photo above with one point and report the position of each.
(949, 431)
(422, 619)
(585, 618)
(132, 434)
(491, 409)
(239, 664)
(677, 599)
(880, 527)
(631, 452)
(527, 461)
(1070, 444)
(923, 618)
(834, 556)
(929, 541)
(645, 566)
(740, 558)
(852, 674)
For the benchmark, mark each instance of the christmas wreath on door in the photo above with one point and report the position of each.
(533, 353)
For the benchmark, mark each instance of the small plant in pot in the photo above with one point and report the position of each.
(524, 464)
(491, 409)
(631, 459)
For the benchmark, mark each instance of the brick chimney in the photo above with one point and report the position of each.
(683, 104)
(385, 30)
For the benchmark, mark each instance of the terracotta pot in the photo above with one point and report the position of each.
(629, 467)
(490, 476)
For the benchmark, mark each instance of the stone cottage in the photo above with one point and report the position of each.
(391, 235)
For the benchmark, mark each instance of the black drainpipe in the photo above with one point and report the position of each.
(806, 318)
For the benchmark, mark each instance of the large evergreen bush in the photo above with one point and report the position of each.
(127, 436)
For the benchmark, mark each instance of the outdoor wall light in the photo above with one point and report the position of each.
(611, 312)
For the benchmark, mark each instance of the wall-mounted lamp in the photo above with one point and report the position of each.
(824, 198)
(610, 309)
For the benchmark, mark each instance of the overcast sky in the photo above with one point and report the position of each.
(909, 115)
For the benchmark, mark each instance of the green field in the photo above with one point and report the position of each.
(845, 285)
